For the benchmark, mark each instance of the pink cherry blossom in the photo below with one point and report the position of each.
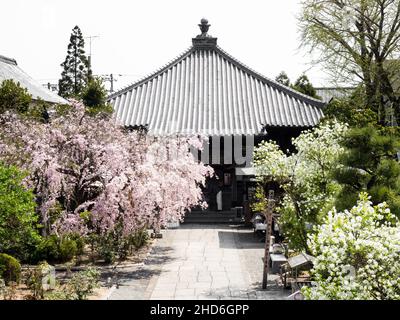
(79, 163)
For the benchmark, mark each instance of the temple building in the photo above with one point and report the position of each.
(9, 69)
(208, 92)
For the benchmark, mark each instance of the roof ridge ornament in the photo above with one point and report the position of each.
(204, 26)
(204, 40)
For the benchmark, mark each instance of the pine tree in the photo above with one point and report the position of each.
(94, 96)
(304, 86)
(283, 78)
(76, 71)
(370, 164)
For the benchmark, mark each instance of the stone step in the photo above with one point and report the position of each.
(211, 221)
(211, 218)
(212, 212)
(213, 215)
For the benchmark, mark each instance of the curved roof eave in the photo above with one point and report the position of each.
(153, 74)
(9, 69)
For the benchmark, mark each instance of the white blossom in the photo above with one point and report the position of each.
(373, 250)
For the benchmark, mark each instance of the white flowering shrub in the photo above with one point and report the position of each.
(357, 254)
(305, 176)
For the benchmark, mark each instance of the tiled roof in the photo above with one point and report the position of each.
(327, 94)
(207, 91)
(10, 70)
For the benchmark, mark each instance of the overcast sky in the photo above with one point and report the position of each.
(138, 37)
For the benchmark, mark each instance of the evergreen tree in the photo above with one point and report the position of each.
(370, 164)
(76, 71)
(304, 86)
(283, 78)
(94, 96)
(352, 110)
(14, 97)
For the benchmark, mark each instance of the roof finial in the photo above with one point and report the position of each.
(204, 26)
(204, 40)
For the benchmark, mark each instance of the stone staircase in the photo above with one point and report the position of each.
(212, 217)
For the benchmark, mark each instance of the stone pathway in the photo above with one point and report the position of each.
(200, 262)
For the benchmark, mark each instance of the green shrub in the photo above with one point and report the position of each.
(80, 243)
(39, 111)
(9, 292)
(140, 238)
(34, 281)
(10, 268)
(56, 250)
(18, 219)
(114, 245)
(106, 248)
(67, 249)
(83, 284)
(47, 250)
(79, 287)
(14, 97)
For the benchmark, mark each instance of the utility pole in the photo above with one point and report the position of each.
(268, 218)
(111, 79)
(111, 83)
(90, 50)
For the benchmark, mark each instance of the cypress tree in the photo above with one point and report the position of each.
(76, 71)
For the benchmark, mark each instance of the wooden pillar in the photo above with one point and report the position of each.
(268, 232)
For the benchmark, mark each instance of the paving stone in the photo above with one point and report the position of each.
(216, 274)
(163, 293)
(204, 273)
(188, 276)
(185, 292)
(186, 297)
(204, 297)
(219, 285)
(183, 285)
(201, 262)
(204, 279)
(165, 286)
(190, 268)
(162, 297)
(200, 285)
(168, 280)
(216, 268)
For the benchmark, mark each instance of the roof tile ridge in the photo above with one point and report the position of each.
(270, 81)
(41, 88)
(154, 74)
(8, 60)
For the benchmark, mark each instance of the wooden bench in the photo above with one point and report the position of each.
(276, 260)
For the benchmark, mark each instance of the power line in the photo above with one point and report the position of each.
(111, 78)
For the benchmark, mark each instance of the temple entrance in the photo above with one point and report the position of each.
(220, 189)
(226, 195)
(210, 192)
